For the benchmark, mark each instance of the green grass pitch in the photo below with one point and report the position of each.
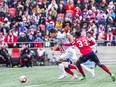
(46, 76)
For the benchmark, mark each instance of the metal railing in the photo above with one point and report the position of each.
(49, 43)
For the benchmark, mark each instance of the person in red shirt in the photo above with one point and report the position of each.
(70, 5)
(83, 44)
(11, 40)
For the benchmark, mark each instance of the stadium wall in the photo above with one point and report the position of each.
(107, 54)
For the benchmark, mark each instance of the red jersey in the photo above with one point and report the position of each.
(83, 44)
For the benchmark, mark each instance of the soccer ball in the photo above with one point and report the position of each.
(23, 79)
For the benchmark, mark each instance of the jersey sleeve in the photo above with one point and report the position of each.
(73, 42)
(91, 42)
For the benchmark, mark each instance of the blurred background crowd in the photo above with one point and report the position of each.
(31, 20)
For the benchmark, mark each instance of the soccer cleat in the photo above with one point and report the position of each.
(74, 77)
(82, 78)
(112, 76)
(62, 77)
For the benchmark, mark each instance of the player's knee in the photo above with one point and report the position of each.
(65, 64)
(100, 65)
(78, 65)
(66, 68)
(60, 65)
(59, 60)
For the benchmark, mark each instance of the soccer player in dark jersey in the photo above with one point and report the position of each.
(83, 44)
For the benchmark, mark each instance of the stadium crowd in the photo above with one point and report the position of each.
(30, 20)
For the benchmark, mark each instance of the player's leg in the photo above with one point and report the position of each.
(82, 59)
(104, 67)
(73, 59)
(72, 66)
(61, 66)
(78, 64)
(68, 70)
(83, 66)
(96, 60)
(88, 69)
(63, 75)
(92, 66)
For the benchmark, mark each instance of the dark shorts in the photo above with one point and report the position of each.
(68, 60)
(90, 56)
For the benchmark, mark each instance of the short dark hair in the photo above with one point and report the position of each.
(77, 34)
(53, 31)
(89, 32)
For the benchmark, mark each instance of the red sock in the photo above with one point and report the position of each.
(105, 69)
(72, 66)
(69, 71)
(81, 70)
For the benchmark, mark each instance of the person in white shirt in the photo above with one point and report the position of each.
(68, 52)
(41, 54)
(89, 35)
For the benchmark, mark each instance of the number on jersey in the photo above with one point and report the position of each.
(83, 43)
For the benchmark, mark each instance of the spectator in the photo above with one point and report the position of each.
(20, 15)
(25, 56)
(110, 38)
(38, 42)
(70, 5)
(5, 55)
(101, 38)
(32, 31)
(1, 39)
(40, 32)
(18, 18)
(47, 41)
(41, 55)
(53, 13)
(77, 11)
(84, 23)
(61, 9)
(101, 28)
(44, 4)
(49, 27)
(110, 21)
(49, 19)
(53, 5)
(22, 28)
(22, 39)
(59, 24)
(42, 20)
(10, 40)
(4, 29)
(30, 40)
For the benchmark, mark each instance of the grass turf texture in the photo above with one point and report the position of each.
(46, 76)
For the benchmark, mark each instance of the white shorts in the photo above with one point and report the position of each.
(70, 53)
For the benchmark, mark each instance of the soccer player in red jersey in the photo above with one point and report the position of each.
(67, 52)
(83, 44)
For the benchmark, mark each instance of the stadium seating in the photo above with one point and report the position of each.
(43, 27)
(15, 56)
(60, 15)
(69, 12)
